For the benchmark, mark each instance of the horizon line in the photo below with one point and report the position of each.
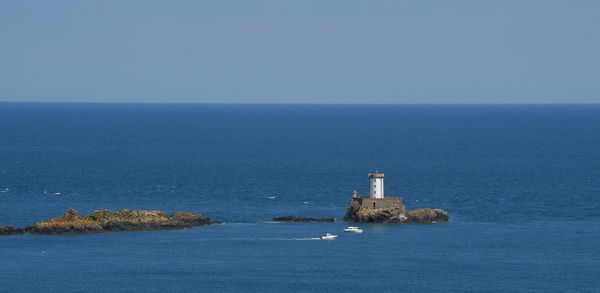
(299, 103)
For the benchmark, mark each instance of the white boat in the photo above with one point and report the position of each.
(353, 230)
(328, 237)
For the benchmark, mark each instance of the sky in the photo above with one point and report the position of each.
(305, 51)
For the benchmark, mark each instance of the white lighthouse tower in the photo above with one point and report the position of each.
(376, 185)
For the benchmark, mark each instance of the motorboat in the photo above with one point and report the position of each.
(328, 237)
(353, 230)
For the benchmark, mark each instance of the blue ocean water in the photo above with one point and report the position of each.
(520, 182)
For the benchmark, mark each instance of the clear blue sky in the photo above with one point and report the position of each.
(323, 51)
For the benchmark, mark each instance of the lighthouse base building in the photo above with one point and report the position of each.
(368, 209)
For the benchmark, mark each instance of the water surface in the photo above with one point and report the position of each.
(520, 183)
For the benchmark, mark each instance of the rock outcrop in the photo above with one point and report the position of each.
(302, 219)
(107, 221)
(425, 216)
(8, 230)
(395, 214)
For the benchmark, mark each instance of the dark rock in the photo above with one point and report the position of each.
(8, 230)
(302, 219)
(426, 216)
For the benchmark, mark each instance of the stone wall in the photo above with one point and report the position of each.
(381, 203)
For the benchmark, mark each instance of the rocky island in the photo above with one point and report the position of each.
(390, 211)
(366, 210)
(379, 209)
(108, 221)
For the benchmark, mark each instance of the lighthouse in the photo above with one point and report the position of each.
(364, 206)
(376, 185)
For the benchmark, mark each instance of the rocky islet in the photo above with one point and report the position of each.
(358, 212)
(108, 221)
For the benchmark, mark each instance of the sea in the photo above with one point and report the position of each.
(521, 184)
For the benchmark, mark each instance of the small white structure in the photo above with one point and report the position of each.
(352, 229)
(376, 185)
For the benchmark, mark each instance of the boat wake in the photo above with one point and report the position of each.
(312, 238)
(291, 239)
(268, 239)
